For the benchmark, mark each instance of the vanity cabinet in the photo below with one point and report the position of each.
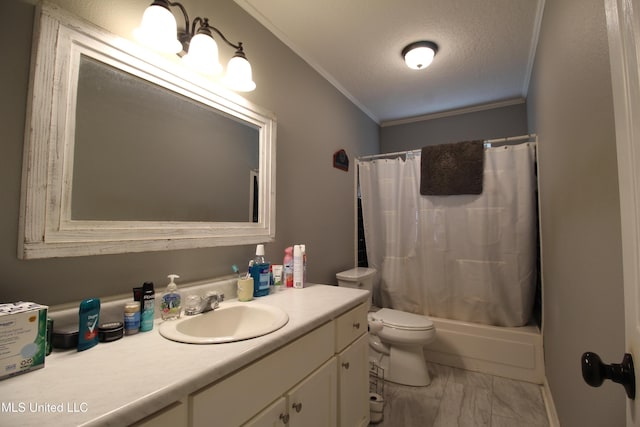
(311, 372)
(320, 379)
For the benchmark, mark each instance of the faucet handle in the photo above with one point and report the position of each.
(215, 296)
(192, 304)
(213, 299)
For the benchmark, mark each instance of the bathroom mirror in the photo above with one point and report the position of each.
(128, 151)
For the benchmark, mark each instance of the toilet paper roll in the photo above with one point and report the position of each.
(375, 417)
(376, 402)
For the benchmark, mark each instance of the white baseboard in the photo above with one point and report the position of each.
(552, 415)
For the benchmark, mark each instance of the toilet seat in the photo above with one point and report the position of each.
(401, 320)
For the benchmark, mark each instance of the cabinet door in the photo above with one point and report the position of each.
(312, 403)
(353, 384)
(275, 415)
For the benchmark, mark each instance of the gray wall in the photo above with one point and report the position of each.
(571, 109)
(315, 202)
(487, 124)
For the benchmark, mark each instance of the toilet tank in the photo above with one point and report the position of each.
(359, 278)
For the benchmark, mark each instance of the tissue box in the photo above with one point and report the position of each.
(23, 336)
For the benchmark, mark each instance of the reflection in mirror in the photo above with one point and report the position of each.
(126, 151)
(144, 153)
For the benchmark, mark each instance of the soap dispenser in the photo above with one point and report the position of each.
(171, 302)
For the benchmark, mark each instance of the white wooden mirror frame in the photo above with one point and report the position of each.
(46, 228)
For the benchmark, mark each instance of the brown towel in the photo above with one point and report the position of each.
(448, 169)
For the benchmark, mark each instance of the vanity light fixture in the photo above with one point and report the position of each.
(199, 50)
(419, 55)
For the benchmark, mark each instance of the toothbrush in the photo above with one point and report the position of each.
(251, 262)
(235, 270)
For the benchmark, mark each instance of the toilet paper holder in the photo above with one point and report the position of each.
(376, 392)
(376, 378)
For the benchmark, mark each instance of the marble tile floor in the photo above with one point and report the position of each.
(459, 398)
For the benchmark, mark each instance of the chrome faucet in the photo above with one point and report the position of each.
(197, 305)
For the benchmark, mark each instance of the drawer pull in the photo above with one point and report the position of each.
(297, 406)
(345, 365)
(284, 418)
(356, 325)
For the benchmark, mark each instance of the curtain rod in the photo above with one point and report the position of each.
(487, 142)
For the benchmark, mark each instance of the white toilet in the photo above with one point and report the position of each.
(396, 337)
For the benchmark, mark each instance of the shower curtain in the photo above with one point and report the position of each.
(463, 257)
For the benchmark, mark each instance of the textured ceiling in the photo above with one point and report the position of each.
(486, 49)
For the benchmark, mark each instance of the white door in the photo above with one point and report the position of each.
(623, 26)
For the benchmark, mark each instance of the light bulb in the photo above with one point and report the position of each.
(158, 30)
(419, 57)
(239, 76)
(203, 55)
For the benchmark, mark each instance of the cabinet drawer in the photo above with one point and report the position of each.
(237, 398)
(350, 326)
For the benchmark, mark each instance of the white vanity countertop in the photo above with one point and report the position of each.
(123, 381)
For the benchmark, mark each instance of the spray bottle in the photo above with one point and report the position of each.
(147, 307)
(287, 269)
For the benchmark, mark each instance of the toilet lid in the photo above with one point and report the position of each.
(355, 274)
(402, 320)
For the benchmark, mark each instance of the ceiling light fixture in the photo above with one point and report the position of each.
(159, 31)
(419, 55)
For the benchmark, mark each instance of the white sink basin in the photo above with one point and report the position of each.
(232, 321)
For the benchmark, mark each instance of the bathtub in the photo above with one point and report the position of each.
(507, 352)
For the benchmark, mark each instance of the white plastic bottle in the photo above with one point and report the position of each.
(298, 268)
(303, 248)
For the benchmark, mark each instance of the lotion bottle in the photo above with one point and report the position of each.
(171, 302)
